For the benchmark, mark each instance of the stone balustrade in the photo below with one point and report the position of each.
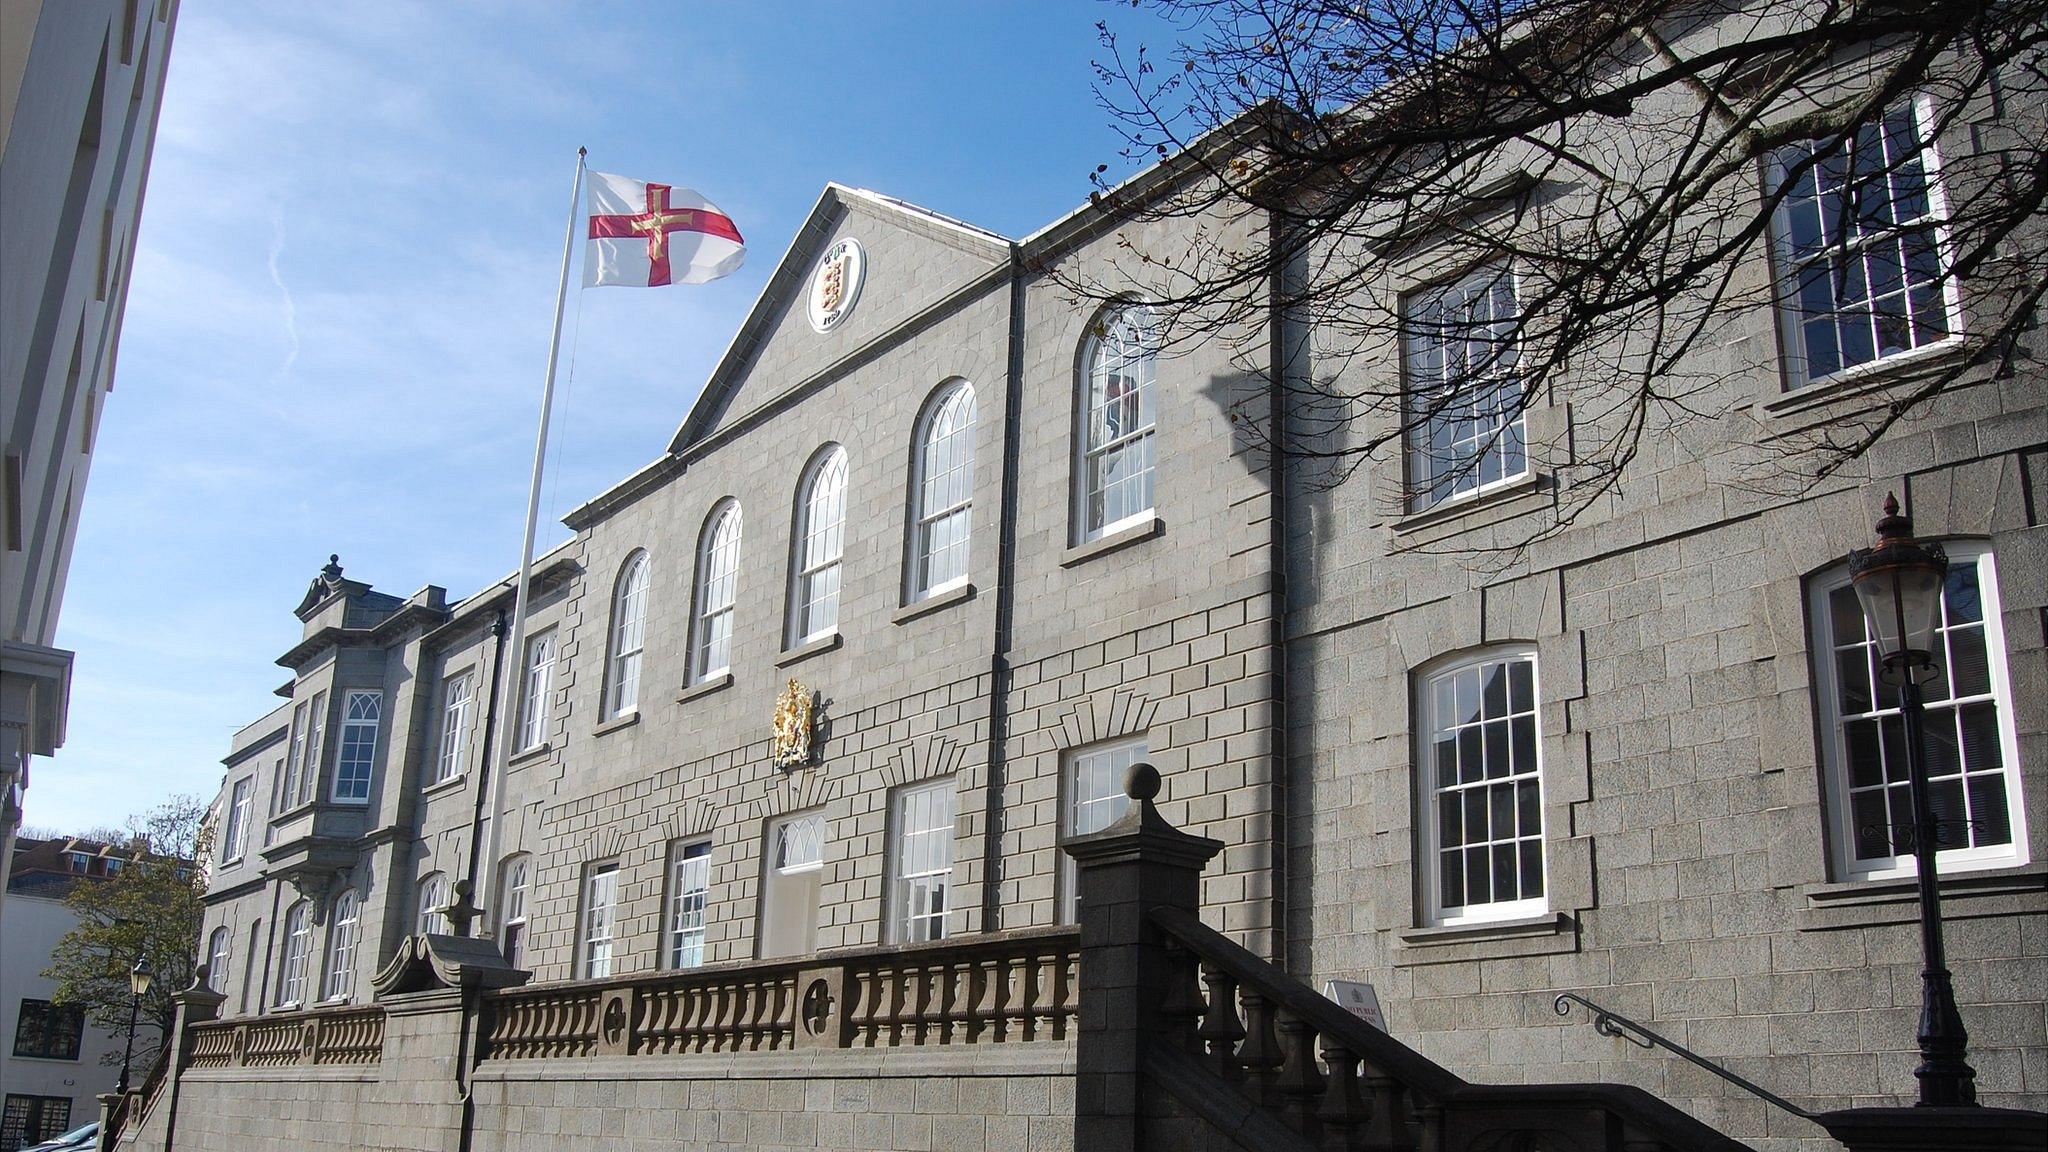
(352, 1035)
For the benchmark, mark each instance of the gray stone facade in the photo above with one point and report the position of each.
(1268, 642)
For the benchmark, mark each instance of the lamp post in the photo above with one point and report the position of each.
(139, 978)
(1899, 584)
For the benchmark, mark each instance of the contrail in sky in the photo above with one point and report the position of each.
(291, 312)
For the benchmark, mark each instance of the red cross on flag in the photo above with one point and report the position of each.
(646, 235)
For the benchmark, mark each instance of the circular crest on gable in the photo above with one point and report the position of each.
(835, 284)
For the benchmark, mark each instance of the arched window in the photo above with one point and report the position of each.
(433, 899)
(1118, 409)
(344, 927)
(628, 636)
(820, 540)
(718, 577)
(512, 908)
(942, 491)
(217, 946)
(298, 943)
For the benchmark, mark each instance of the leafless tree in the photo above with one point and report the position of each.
(1596, 187)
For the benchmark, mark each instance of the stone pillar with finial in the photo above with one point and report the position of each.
(1125, 871)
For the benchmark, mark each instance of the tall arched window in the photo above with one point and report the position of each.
(344, 928)
(512, 895)
(433, 897)
(820, 541)
(298, 943)
(217, 946)
(718, 577)
(1118, 409)
(628, 636)
(942, 491)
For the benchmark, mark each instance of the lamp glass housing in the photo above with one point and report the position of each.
(1899, 584)
(140, 977)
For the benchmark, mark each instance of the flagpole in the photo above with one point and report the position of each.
(486, 870)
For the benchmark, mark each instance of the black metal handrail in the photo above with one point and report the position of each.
(1610, 1023)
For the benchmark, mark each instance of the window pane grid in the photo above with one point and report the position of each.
(458, 697)
(341, 947)
(689, 896)
(533, 703)
(1466, 428)
(824, 540)
(1863, 223)
(361, 713)
(1966, 771)
(923, 863)
(298, 940)
(295, 763)
(629, 635)
(718, 586)
(309, 784)
(597, 922)
(1118, 458)
(1485, 786)
(237, 838)
(517, 875)
(944, 492)
(433, 897)
(1095, 800)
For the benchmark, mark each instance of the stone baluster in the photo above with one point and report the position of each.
(1260, 1054)
(1047, 1017)
(1300, 1082)
(1343, 1110)
(1221, 1029)
(984, 1024)
(1429, 1127)
(1388, 1129)
(760, 995)
(1181, 1006)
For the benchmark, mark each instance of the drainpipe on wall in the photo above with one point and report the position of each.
(483, 782)
(1283, 351)
(999, 648)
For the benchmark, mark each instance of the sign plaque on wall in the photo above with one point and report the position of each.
(1358, 999)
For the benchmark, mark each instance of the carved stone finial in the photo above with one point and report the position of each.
(331, 574)
(1141, 782)
(460, 911)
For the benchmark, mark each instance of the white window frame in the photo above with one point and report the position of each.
(818, 543)
(1092, 797)
(512, 925)
(241, 799)
(627, 638)
(219, 948)
(356, 761)
(689, 902)
(922, 820)
(1442, 678)
(793, 863)
(600, 921)
(942, 491)
(458, 704)
(1840, 813)
(316, 740)
(298, 948)
(295, 761)
(1132, 327)
(1435, 395)
(344, 931)
(1788, 268)
(717, 591)
(538, 681)
(429, 896)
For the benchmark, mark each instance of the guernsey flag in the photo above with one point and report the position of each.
(646, 235)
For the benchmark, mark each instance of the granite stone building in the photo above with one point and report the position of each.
(941, 551)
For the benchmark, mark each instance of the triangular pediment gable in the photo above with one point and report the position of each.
(915, 259)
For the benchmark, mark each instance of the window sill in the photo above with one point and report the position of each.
(1456, 507)
(534, 753)
(1549, 933)
(1114, 541)
(44, 1059)
(451, 784)
(702, 688)
(808, 649)
(2016, 891)
(936, 602)
(1863, 379)
(623, 720)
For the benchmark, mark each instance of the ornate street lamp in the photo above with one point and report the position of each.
(139, 979)
(1899, 583)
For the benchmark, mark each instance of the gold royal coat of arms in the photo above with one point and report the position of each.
(790, 744)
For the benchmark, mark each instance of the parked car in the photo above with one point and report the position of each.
(76, 1140)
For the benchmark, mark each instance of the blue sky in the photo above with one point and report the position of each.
(339, 314)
